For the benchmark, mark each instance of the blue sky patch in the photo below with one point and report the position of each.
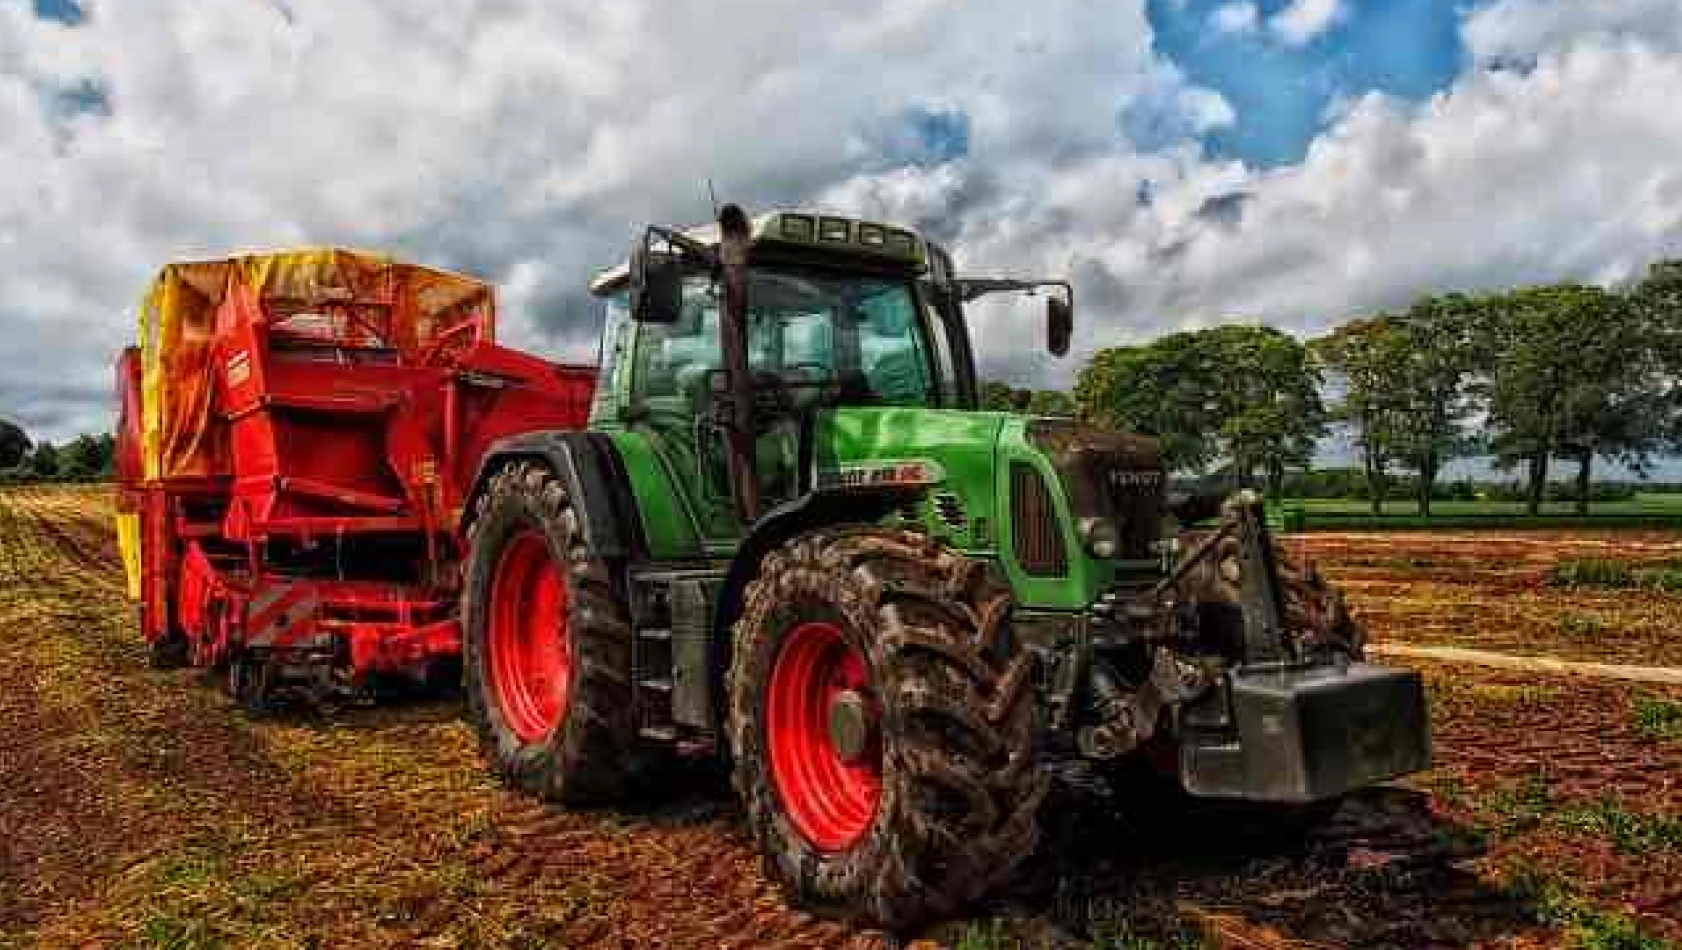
(1281, 93)
(87, 97)
(64, 11)
(927, 137)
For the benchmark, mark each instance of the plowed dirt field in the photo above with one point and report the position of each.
(142, 809)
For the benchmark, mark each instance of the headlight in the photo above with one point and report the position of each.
(1100, 536)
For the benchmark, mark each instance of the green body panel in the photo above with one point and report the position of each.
(1087, 576)
(685, 514)
(959, 444)
(667, 521)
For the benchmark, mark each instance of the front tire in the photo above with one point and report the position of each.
(883, 726)
(545, 645)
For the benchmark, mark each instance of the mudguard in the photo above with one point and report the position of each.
(595, 478)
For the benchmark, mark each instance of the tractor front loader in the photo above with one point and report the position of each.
(788, 536)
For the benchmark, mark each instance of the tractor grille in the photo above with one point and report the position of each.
(1037, 541)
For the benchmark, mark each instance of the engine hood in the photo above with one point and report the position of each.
(1108, 474)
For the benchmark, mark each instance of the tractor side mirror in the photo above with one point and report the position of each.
(1059, 324)
(656, 286)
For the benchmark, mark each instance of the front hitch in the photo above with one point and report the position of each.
(1284, 727)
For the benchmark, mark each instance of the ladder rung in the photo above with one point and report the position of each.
(654, 633)
(658, 685)
(663, 733)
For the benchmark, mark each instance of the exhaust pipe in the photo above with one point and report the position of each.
(734, 235)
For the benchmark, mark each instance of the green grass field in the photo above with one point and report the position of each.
(1641, 504)
(1645, 510)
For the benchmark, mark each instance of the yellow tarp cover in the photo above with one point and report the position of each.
(180, 436)
(128, 542)
(177, 319)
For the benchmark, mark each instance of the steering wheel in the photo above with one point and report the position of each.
(820, 378)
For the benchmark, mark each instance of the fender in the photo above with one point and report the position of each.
(595, 479)
(820, 508)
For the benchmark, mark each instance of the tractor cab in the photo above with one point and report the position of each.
(837, 313)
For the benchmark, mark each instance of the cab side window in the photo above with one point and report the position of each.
(674, 360)
(895, 367)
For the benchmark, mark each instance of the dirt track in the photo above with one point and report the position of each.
(140, 808)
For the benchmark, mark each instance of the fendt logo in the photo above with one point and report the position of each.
(1131, 478)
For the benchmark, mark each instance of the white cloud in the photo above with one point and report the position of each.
(1563, 171)
(1240, 16)
(525, 141)
(521, 139)
(1303, 20)
(1521, 29)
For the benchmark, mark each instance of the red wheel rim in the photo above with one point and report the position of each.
(530, 660)
(831, 800)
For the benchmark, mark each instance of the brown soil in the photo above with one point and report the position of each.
(1491, 592)
(140, 808)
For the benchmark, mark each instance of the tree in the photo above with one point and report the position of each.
(1367, 359)
(43, 463)
(1439, 354)
(1248, 393)
(998, 397)
(1268, 399)
(88, 458)
(1164, 389)
(1051, 402)
(1657, 303)
(1578, 372)
(1002, 397)
(14, 444)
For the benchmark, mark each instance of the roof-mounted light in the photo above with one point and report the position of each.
(797, 227)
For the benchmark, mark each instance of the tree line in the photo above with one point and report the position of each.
(86, 458)
(1560, 372)
(1532, 375)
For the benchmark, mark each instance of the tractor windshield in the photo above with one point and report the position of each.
(865, 339)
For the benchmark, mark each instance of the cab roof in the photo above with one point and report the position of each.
(802, 229)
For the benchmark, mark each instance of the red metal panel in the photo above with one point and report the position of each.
(341, 425)
(129, 469)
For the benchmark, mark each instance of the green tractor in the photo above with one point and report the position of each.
(789, 538)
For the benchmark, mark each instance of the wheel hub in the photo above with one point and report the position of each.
(852, 728)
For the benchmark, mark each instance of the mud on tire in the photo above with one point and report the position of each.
(587, 756)
(959, 783)
(1314, 611)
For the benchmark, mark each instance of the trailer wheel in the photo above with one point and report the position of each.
(545, 645)
(883, 726)
(168, 652)
(248, 679)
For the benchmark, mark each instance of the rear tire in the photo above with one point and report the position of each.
(918, 636)
(546, 664)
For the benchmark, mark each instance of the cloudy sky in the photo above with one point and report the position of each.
(1185, 161)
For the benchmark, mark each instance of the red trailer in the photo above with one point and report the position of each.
(298, 432)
